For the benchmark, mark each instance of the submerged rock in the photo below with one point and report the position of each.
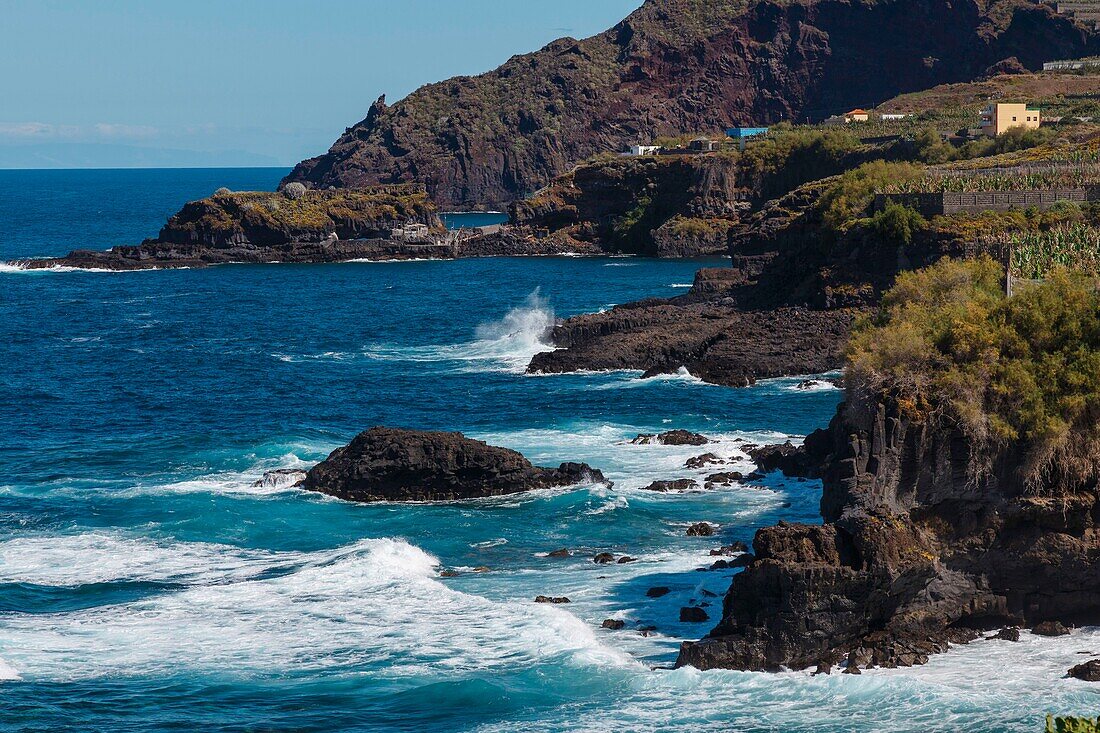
(1088, 671)
(560, 553)
(672, 437)
(700, 529)
(552, 599)
(693, 615)
(281, 478)
(391, 464)
(683, 484)
(1050, 628)
(658, 591)
(707, 459)
(732, 549)
(726, 478)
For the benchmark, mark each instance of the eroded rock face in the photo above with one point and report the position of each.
(914, 555)
(714, 340)
(390, 464)
(671, 68)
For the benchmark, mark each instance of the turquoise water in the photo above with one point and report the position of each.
(147, 584)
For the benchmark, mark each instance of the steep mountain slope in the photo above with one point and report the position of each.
(678, 66)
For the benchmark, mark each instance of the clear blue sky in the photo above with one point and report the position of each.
(262, 80)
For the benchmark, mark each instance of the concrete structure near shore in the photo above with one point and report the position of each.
(997, 119)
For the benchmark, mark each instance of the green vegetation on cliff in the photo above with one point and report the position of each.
(264, 217)
(1019, 373)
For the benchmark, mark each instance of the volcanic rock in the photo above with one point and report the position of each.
(1050, 628)
(603, 558)
(560, 553)
(552, 599)
(390, 464)
(693, 615)
(1088, 671)
(913, 555)
(700, 529)
(735, 549)
(613, 623)
(670, 68)
(1008, 633)
(703, 461)
(684, 484)
(672, 437)
(658, 591)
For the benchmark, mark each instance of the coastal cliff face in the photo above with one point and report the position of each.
(677, 66)
(662, 206)
(914, 554)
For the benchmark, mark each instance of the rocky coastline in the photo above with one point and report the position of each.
(913, 555)
(705, 332)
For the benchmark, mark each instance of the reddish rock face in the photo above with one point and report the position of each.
(671, 68)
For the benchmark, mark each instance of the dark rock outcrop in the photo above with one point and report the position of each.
(671, 437)
(693, 615)
(613, 624)
(916, 554)
(802, 461)
(715, 341)
(684, 484)
(556, 600)
(700, 529)
(1088, 671)
(674, 68)
(390, 464)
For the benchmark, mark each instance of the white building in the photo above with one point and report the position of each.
(644, 149)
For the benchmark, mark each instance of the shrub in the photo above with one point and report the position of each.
(223, 191)
(896, 224)
(1023, 370)
(294, 190)
(851, 195)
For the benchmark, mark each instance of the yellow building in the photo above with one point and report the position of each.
(857, 115)
(998, 118)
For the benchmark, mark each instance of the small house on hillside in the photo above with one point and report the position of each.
(704, 145)
(857, 115)
(894, 117)
(997, 119)
(645, 149)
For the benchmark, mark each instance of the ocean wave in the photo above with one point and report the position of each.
(100, 557)
(375, 604)
(507, 344)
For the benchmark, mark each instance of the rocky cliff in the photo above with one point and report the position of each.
(915, 553)
(663, 206)
(677, 66)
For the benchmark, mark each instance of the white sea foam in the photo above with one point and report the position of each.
(99, 557)
(7, 672)
(506, 345)
(376, 603)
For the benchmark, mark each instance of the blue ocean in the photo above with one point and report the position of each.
(147, 583)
